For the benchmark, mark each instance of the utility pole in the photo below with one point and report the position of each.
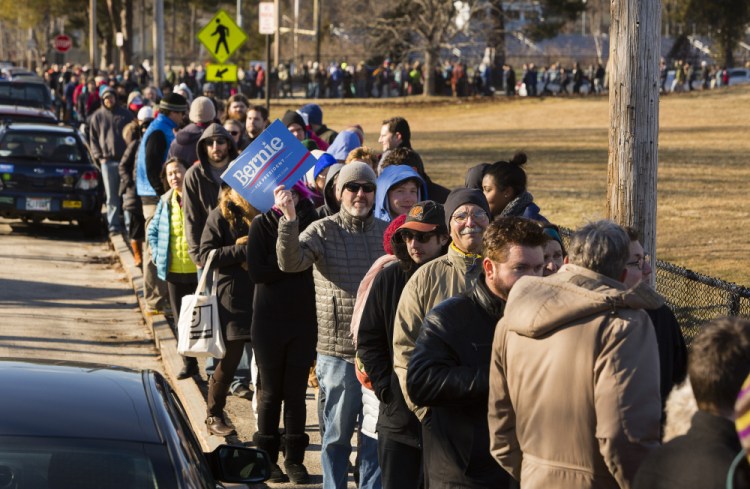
(276, 37)
(239, 13)
(158, 65)
(92, 35)
(316, 22)
(634, 117)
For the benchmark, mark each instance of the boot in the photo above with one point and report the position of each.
(217, 399)
(294, 457)
(136, 246)
(189, 368)
(270, 444)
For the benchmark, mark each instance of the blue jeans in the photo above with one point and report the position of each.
(369, 467)
(342, 405)
(111, 178)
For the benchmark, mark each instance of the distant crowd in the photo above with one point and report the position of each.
(465, 341)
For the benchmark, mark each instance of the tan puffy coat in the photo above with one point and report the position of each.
(342, 248)
(440, 279)
(574, 381)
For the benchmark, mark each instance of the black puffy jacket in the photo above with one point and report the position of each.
(449, 373)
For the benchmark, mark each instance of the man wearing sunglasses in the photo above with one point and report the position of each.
(449, 369)
(466, 217)
(185, 144)
(422, 238)
(340, 248)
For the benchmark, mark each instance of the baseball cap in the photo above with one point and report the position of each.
(426, 216)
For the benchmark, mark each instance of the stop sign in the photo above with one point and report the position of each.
(62, 43)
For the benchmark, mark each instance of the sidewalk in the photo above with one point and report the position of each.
(192, 393)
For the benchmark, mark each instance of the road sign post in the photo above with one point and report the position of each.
(267, 26)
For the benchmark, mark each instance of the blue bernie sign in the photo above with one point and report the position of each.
(275, 158)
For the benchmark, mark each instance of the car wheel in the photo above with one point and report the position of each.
(92, 227)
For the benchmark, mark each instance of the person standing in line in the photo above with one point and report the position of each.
(226, 231)
(107, 147)
(449, 369)
(420, 239)
(166, 237)
(152, 153)
(575, 358)
(340, 248)
(283, 339)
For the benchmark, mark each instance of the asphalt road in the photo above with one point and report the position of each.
(64, 297)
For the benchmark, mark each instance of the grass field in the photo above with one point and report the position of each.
(703, 213)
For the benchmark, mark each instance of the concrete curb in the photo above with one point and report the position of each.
(188, 391)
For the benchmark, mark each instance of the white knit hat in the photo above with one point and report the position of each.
(202, 110)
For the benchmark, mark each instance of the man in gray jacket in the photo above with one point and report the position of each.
(341, 248)
(107, 147)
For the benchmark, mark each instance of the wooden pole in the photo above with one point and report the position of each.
(634, 116)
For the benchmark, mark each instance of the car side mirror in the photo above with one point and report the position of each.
(240, 464)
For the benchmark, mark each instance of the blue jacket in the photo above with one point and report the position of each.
(158, 235)
(165, 125)
(390, 176)
(343, 144)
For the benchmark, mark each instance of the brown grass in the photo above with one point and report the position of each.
(703, 213)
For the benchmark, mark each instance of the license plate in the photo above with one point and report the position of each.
(35, 204)
(72, 204)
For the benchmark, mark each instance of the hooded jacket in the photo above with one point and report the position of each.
(227, 223)
(391, 176)
(449, 373)
(330, 204)
(341, 248)
(574, 381)
(343, 144)
(201, 192)
(185, 144)
(148, 166)
(444, 277)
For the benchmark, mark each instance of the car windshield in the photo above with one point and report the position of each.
(41, 146)
(37, 463)
(26, 94)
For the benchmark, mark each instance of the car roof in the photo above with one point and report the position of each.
(23, 110)
(74, 400)
(40, 127)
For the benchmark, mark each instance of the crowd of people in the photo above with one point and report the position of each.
(452, 329)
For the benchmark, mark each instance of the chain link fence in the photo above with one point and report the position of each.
(694, 298)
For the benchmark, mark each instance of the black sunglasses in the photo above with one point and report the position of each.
(354, 187)
(406, 235)
(234, 133)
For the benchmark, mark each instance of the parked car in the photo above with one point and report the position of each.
(19, 113)
(738, 76)
(11, 72)
(85, 426)
(26, 92)
(47, 172)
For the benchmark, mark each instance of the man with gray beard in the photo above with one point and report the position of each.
(467, 216)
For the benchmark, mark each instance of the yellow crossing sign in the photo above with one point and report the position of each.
(221, 73)
(222, 36)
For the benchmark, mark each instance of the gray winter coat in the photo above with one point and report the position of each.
(342, 248)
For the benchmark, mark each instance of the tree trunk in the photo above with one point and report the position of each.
(728, 47)
(126, 17)
(496, 42)
(634, 116)
(430, 55)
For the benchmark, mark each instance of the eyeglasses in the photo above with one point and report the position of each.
(640, 263)
(479, 216)
(407, 235)
(354, 187)
(219, 141)
(234, 133)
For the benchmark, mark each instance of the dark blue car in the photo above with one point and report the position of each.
(84, 426)
(47, 172)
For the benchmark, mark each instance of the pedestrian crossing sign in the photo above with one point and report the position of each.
(222, 36)
(221, 73)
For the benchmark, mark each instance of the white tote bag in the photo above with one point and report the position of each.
(199, 329)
